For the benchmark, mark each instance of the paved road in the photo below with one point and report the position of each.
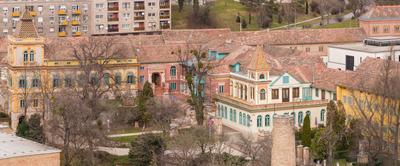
(133, 134)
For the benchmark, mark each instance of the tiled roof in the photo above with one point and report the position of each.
(159, 53)
(258, 60)
(369, 77)
(287, 37)
(26, 27)
(278, 59)
(382, 13)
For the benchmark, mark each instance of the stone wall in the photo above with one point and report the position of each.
(283, 141)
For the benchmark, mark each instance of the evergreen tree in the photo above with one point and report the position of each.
(147, 149)
(142, 99)
(23, 129)
(147, 90)
(306, 132)
(31, 129)
(180, 3)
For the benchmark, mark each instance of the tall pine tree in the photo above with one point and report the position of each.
(306, 132)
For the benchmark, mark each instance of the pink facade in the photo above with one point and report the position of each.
(166, 78)
(377, 28)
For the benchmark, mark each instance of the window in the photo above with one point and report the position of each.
(267, 121)
(259, 121)
(248, 120)
(308, 113)
(230, 114)
(141, 67)
(307, 93)
(94, 79)
(294, 117)
(386, 29)
(22, 83)
(275, 93)
(32, 56)
(117, 79)
(126, 5)
(106, 79)
(130, 79)
(285, 79)
(300, 118)
(221, 89)
(317, 92)
(262, 94)
(56, 81)
(226, 112)
(375, 29)
(262, 76)
(35, 103)
(22, 103)
(308, 49)
(296, 93)
(68, 82)
(35, 83)
(240, 118)
(243, 119)
(172, 86)
(397, 28)
(141, 79)
(321, 48)
(172, 71)
(25, 56)
(234, 115)
(322, 115)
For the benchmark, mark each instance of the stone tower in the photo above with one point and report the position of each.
(283, 141)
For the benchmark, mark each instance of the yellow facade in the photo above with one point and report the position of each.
(25, 95)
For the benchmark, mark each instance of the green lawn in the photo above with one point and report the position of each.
(124, 131)
(343, 24)
(126, 139)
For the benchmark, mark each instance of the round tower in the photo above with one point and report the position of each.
(283, 141)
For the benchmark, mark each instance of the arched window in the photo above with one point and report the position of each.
(25, 56)
(230, 114)
(244, 119)
(267, 121)
(262, 76)
(308, 113)
(32, 56)
(117, 78)
(322, 115)
(94, 80)
(172, 71)
(262, 94)
(240, 118)
(259, 121)
(130, 79)
(226, 113)
(300, 118)
(294, 117)
(234, 115)
(248, 120)
(106, 79)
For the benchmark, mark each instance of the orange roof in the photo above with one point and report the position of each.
(382, 13)
(258, 61)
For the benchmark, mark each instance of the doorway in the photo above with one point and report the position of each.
(285, 95)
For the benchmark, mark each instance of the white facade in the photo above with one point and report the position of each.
(258, 122)
(359, 51)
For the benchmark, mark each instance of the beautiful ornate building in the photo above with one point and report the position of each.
(31, 70)
(257, 92)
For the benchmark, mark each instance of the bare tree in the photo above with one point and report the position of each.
(259, 151)
(378, 108)
(196, 65)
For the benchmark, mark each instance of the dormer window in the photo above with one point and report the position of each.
(25, 56)
(262, 76)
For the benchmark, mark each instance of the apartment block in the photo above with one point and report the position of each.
(87, 17)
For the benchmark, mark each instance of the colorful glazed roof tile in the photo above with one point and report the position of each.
(26, 28)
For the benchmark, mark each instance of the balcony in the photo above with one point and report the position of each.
(62, 34)
(76, 12)
(139, 7)
(76, 34)
(75, 22)
(63, 23)
(139, 18)
(16, 14)
(113, 6)
(139, 28)
(62, 12)
(113, 19)
(33, 13)
(164, 16)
